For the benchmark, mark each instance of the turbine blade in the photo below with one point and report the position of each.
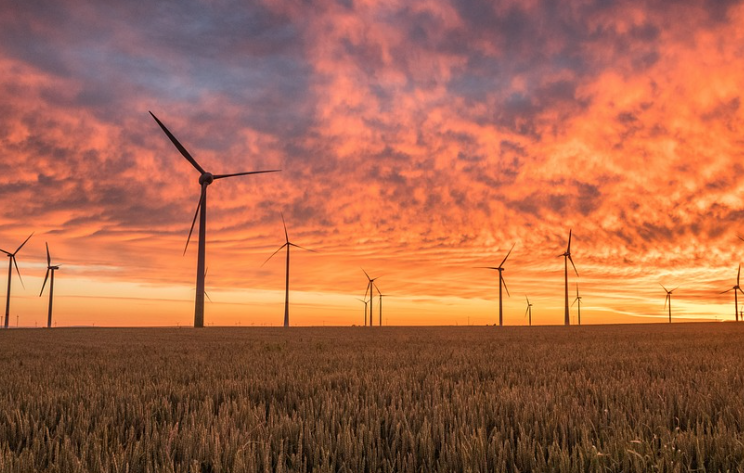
(196, 214)
(302, 247)
(24, 242)
(572, 264)
(574, 302)
(526, 310)
(366, 290)
(272, 254)
(528, 300)
(737, 274)
(222, 176)
(504, 282)
(286, 235)
(178, 145)
(365, 273)
(507, 255)
(666, 299)
(378, 289)
(485, 267)
(207, 295)
(49, 258)
(724, 292)
(18, 271)
(568, 249)
(44, 284)
(7, 253)
(665, 289)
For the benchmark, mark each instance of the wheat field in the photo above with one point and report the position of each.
(603, 398)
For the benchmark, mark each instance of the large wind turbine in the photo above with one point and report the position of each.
(50, 269)
(370, 290)
(668, 301)
(736, 290)
(577, 300)
(11, 262)
(502, 283)
(205, 179)
(566, 259)
(529, 309)
(286, 294)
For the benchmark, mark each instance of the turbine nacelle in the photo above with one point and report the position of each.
(206, 178)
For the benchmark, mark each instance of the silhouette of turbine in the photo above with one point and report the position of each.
(12, 262)
(50, 269)
(370, 290)
(668, 300)
(500, 268)
(287, 244)
(566, 259)
(529, 310)
(381, 296)
(578, 299)
(365, 310)
(205, 179)
(736, 290)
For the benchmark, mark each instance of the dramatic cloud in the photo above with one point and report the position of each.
(416, 139)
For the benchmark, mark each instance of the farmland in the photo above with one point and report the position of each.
(603, 398)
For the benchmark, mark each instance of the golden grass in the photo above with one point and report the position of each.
(607, 398)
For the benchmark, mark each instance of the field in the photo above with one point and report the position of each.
(608, 398)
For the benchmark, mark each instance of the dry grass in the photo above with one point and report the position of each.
(631, 398)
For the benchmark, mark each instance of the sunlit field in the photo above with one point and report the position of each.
(602, 398)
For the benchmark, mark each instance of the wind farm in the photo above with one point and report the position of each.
(443, 147)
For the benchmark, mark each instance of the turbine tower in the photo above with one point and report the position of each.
(50, 269)
(286, 294)
(370, 289)
(529, 310)
(205, 179)
(668, 301)
(12, 262)
(577, 300)
(736, 290)
(566, 259)
(500, 268)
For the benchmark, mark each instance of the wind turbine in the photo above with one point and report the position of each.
(500, 268)
(11, 262)
(736, 290)
(288, 244)
(370, 289)
(205, 179)
(578, 299)
(529, 309)
(365, 310)
(566, 259)
(50, 269)
(668, 300)
(381, 295)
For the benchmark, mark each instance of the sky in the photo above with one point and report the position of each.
(418, 140)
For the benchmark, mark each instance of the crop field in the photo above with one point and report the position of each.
(603, 398)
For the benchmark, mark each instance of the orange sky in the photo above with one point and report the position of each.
(417, 140)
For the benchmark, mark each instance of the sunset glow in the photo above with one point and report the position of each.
(418, 140)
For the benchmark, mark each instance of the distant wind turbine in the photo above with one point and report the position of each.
(529, 309)
(205, 179)
(577, 300)
(500, 268)
(566, 259)
(381, 296)
(370, 290)
(50, 269)
(11, 262)
(668, 300)
(288, 244)
(365, 310)
(736, 290)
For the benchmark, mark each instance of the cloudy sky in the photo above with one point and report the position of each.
(416, 139)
